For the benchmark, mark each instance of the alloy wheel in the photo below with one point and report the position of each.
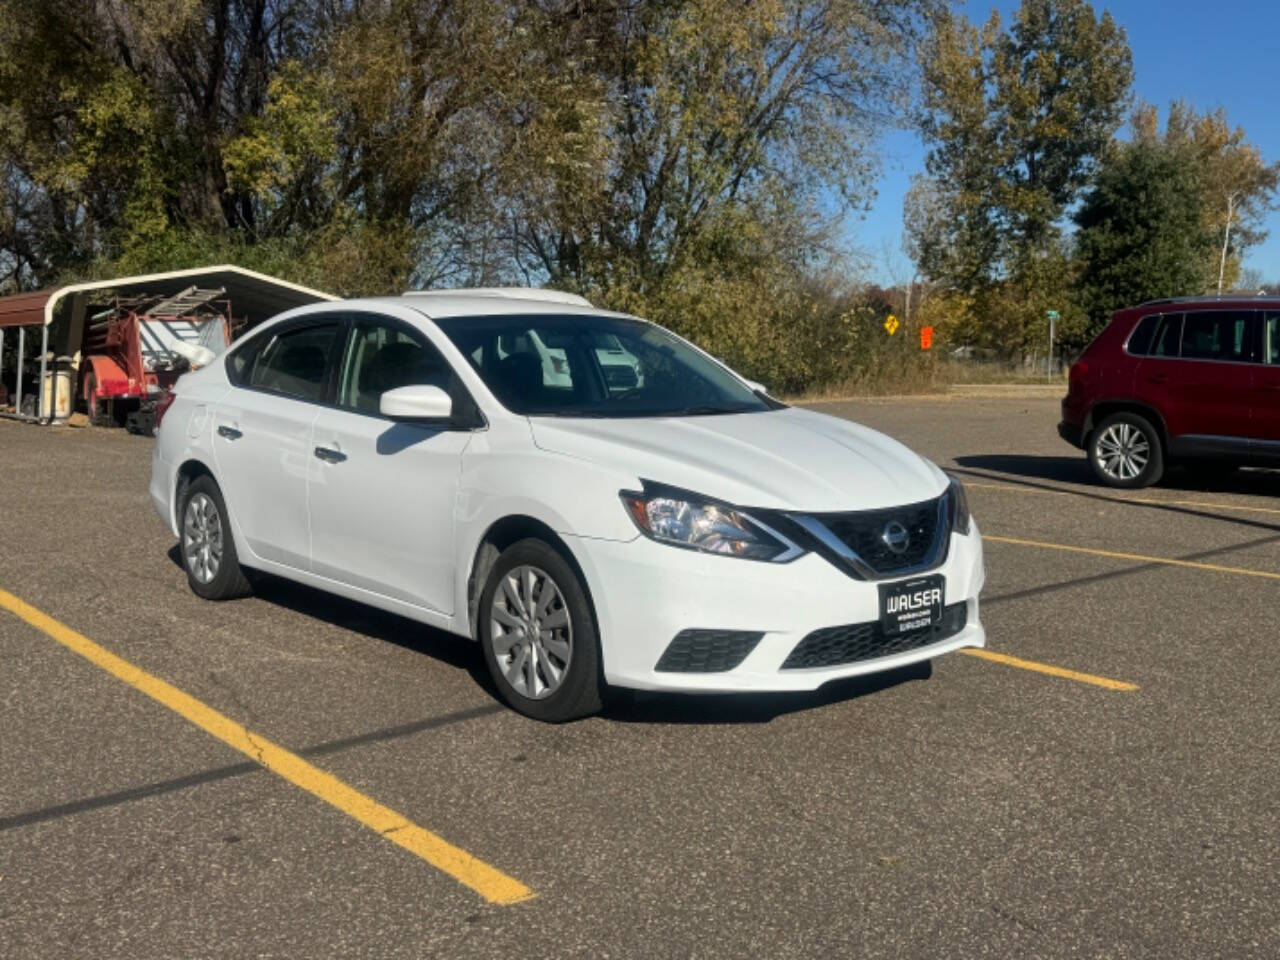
(1122, 451)
(202, 537)
(531, 632)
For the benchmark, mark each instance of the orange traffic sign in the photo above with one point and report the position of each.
(926, 338)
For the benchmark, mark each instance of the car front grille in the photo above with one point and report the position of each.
(707, 651)
(861, 542)
(854, 642)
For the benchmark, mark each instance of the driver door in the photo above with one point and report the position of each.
(382, 493)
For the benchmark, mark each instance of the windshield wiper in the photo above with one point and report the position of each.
(706, 410)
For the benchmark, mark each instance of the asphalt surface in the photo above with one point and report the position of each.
(972, 809)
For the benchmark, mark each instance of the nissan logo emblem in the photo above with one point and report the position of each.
(896, 537)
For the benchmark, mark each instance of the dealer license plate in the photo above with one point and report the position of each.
(910, 605)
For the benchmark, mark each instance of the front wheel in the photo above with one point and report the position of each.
(1125, 452)
(208, 549)
(539, 636)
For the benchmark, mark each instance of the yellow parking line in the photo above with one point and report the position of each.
(1051, 670)
(1137, 557)
(1144, 501)
(488, 881)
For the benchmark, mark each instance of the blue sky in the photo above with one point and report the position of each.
(1215, 54)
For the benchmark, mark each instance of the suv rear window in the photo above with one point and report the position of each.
(1221, 335)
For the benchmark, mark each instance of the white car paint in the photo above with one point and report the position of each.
(398, 523)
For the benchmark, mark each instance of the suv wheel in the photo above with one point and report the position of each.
(539, 636)
(1124, 451)
(208, 549)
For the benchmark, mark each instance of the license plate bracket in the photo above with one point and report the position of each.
(910, 605)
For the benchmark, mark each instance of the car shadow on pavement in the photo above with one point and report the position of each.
(369, 621)
(624, 706)
(641, 706)
(1248, 482)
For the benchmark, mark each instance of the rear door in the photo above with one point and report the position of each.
(382, 494)
(262, 434)
(1266, 407)
(1207, 386)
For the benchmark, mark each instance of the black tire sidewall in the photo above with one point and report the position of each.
(580, 693)
(230, 581)
(1154, 469)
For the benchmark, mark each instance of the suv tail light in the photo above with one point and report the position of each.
(1078, 372)
(163, 405)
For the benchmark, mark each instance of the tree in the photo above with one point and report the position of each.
(1142, 233)
(1237, 187)
(1015, 120)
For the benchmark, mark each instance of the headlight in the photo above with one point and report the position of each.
(703, 525)
(958, 507)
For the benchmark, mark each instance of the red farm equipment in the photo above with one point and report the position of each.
(134, 351)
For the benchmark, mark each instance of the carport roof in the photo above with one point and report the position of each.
(255, 295)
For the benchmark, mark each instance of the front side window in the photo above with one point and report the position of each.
(595, 366)
(1273, 338)
(1221, 335)
(381, 356)
(293, 363)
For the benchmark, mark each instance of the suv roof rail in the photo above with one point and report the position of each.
(1211, 298)
(509, 293)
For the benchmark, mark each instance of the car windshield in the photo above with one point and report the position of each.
(595, 366)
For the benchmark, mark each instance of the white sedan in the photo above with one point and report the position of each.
(687, 533)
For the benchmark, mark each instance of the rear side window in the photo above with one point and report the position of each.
(1221, 335)
(1272, 353)
(294, 363)
(1168, 331)
(1143, 334)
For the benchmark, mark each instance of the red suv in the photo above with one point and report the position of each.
(1193, 381)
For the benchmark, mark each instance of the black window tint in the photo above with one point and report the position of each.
(1140, 339)
(295, 362)
(383, 356)
(1220, 335)
(240, 360)
(1165, 341)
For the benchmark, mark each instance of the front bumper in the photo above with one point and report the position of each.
(645, 593)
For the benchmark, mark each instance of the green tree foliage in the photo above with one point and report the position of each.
(1142, 230)
(1236, 186)
(1015, 120)
(689, 159)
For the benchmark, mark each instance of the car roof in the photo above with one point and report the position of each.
(1222, 300)
(442, 305)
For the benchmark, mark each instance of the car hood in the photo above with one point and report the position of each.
(787, 459)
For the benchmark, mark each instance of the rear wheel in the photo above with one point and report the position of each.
(1125, 452)
(539, 636)
(96, 406)
(208, 549)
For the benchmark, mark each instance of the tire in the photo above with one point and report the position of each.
(93, 403)
(207, 547)
(563, 662)
(1125, 451)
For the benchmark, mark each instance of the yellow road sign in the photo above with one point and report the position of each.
(891, 324)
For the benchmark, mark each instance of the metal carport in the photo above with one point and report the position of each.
(256, 296)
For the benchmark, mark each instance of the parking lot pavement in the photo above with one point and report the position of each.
(977, 808)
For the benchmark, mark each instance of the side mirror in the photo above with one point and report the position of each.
(417, 402)
(756, 387)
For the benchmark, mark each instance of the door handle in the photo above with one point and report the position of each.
(1271, 384)
(1157, 378)
(231, 433)
(329, 455)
